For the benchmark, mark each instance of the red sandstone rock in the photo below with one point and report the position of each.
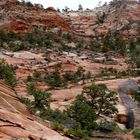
(16, 121)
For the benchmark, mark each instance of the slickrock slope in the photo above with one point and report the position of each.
(20, 18)
(123, 17)
(17, 122)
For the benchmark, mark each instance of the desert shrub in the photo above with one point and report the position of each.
(26, 101)
(68, 37)
(106, 126)
(85, 112)
(31, 37)
(115, 3)
(7, 73)
(19, 47)
(47, 43)
(41, 98)
(88, 75)
(3, 36)
(79, 72)
(136, 133)
(134, 62)
(27, 3)
(113, 72)
(108, 71)
(100, 18)
(68, 76)
(37, 76)
(102, 101)
(77, 134)
(80, 45)
(136, 95)
(58, 127)
(122, 74)
(29, 78)
(74, 77)
(82, 113)
(54, 79)
(12, 36)
(64, 47)
(114, 43)
(59, 117)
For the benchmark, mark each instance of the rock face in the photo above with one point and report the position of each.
(123, 17)
(17, 122)
(20, 18)
(126, 88)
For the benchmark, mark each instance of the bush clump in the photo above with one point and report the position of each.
(7, 73)
(136, 133)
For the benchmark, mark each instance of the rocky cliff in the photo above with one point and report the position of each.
(121, 16)
(22, 17)
(118, 16)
